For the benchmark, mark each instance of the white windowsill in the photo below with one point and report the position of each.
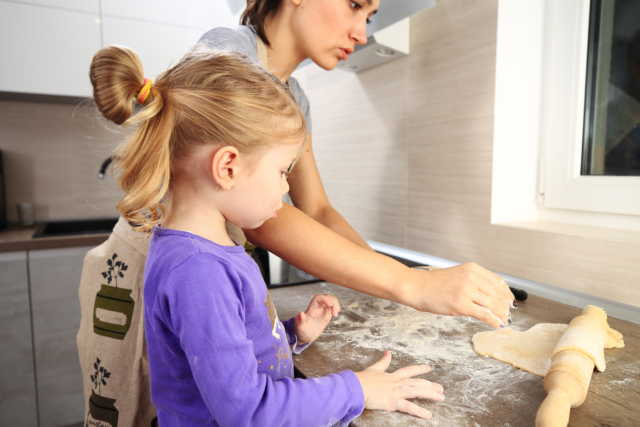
(609, 234)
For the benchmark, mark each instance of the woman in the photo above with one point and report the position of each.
(310, 235)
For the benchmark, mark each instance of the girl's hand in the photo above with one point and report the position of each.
(310, 324)
(388, 392)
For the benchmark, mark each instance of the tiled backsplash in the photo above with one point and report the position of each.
(52, 154)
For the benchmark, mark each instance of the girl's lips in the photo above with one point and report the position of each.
(344, 54)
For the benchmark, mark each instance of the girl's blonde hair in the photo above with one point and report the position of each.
(209, 97)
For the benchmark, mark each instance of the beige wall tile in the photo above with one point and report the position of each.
(52, 153)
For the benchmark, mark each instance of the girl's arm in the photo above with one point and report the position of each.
(308, 195)
(201, 321)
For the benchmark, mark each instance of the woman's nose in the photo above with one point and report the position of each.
(359, 33)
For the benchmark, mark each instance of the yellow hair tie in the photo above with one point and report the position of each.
(144, 92)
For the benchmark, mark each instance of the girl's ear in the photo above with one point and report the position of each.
(225, 166)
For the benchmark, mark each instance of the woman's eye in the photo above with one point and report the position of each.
(358, 6)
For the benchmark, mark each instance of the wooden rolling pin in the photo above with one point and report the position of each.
(578, 351)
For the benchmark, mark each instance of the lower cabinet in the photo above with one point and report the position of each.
(54, 276)
(17, 375)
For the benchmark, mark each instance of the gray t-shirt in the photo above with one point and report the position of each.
(242, 39)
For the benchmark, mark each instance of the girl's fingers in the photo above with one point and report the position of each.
(417, 387)
(382, 364)
(331, 302)
(411, 371)
(412, 409)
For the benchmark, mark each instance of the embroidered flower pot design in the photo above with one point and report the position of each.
(102, 410)
(113, 307)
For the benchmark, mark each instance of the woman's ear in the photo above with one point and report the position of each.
(225, 166)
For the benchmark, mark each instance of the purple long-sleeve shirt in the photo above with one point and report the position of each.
(218, 354)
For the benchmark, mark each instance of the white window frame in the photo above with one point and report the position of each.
(539, 111)
(563, 118)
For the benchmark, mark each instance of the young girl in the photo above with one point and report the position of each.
(214, 141)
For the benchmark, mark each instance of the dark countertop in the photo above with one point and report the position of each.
(480, 391)
(15, 238)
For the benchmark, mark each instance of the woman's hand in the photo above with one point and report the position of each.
(465, 289)
(310, 324)
(388, 392)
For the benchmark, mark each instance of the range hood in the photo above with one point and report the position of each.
(387, 35)
(384, 46)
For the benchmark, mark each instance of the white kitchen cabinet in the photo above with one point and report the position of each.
(157, 45)
(54, 276)
(46, 46)
(47, 50)
(195, 14)
(76, 5)
(17, 378)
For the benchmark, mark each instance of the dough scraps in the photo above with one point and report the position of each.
(530, 350)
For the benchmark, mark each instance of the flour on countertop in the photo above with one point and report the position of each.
(443, 342)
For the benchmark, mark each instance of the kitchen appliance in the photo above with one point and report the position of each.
(276, 272)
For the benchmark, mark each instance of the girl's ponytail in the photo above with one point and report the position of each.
(144, 159)
(208, 98)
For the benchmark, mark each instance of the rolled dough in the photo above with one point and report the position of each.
(534, 349)
(591, 334)
(530, 350)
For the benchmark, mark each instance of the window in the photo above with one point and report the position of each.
(551, 109)
(611, 137)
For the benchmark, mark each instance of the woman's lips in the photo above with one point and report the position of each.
(344, 54)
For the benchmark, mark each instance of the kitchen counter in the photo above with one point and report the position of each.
(19, 239)
(480, 391)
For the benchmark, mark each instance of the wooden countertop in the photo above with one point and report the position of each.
(480, 391)
(14, 239)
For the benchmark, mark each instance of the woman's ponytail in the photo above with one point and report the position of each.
(256, 14)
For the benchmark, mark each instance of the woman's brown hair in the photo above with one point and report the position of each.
(256, 14)
(209, 97)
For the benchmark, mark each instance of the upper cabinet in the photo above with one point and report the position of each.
(46, 46)
(48, 49)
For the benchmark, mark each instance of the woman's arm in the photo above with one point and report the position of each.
(308, 195)
(461, 290)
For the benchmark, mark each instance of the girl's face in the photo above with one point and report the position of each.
(328, 30)
(257, 194)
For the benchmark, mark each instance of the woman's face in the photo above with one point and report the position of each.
(328, 30)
